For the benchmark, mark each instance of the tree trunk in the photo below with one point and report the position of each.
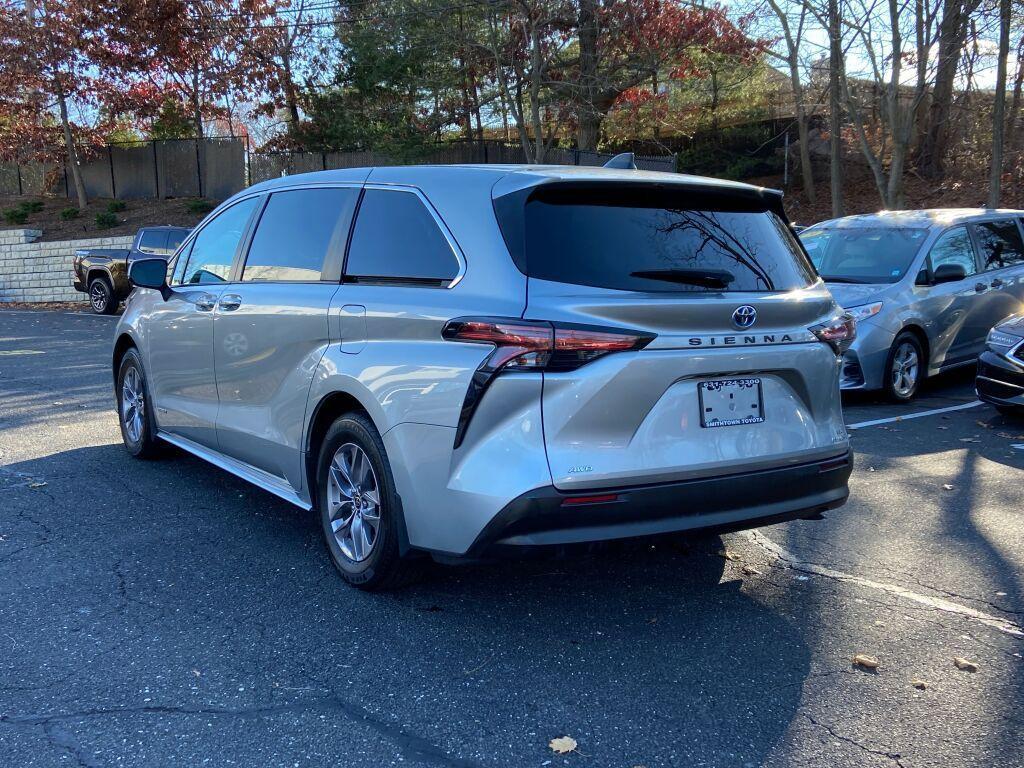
(291, 98)
(197, 106)
(588, 115)
(999, 109)
(952, 34)
(1013, 135)
(835, 113)
(72, 152)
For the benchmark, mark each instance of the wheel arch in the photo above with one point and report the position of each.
(124, 342)
(918, 331)
(327, 410)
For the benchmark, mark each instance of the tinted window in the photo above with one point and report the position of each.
(396, 238)
(863, 254)
(297, 231)
(153, 241)
(1000, 243)
(214, 247)
(646, 241)
(954, 247)
(175, 238)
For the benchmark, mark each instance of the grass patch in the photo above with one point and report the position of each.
(105, 220)
(16, 215)
(199, 205)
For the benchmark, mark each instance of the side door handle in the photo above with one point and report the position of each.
(997, 283)
(205, 302)
(229, 302)
(979, 287)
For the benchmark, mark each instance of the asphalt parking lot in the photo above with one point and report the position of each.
(165, 613)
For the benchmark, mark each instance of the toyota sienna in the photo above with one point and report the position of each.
(465, 361)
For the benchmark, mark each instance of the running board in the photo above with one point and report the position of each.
(257, 477)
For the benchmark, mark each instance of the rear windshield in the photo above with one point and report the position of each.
(654, 240)
(863, 254)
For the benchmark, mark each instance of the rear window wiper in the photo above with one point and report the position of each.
(706, 278)
(840, 279)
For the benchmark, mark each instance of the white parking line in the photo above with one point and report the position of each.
(935, 603)
(917, 415)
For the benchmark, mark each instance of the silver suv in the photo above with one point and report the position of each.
(462, 361)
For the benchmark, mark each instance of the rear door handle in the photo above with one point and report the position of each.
(229, 302)
(979, 287)
(205, 302)
(997, 283)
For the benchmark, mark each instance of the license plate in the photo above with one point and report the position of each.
(730, 402)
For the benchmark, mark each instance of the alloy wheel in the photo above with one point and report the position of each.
(905, 366)
(98, 296)
(133, 404)
(353, 498)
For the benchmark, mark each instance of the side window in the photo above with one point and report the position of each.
(214, 248)
(1000, 243)
(396, 238)
(153, 241)
(297, 233)
(954, 247)
(175, 239)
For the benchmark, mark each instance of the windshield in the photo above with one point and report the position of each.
(656, 241)
(864, 254)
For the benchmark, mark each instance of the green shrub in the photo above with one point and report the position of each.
(16, 215)
(105, 220)
(31, 206)
(69, 213)
(199, 205)
(116, 206)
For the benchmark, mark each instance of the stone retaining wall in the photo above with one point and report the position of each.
(31, 271)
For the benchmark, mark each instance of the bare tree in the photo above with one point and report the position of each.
(999, 109)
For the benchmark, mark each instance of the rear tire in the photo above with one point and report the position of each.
(1011, 411)
(904, 368)
(134, 409)
(360, 511)
(101, 296)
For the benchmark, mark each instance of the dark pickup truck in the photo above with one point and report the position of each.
(103, 272)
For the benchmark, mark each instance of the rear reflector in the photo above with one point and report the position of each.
(604, 498)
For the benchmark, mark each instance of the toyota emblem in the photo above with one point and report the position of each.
(744, 317)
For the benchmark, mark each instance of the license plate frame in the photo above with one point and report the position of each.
(715, 406)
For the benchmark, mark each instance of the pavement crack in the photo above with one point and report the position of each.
(894, 756)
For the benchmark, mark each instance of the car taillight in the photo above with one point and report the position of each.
(534, 345)
(838, 332)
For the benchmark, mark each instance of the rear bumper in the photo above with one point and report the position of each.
(999, 381)
(541, 518)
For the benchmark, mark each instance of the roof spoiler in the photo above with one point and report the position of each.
(623, 161)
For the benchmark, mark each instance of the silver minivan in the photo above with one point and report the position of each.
(924, 286)
(459, 362)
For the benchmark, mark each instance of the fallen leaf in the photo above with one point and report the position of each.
(965, 664)
(563, 744)
(969, 440)
(750, 570)
(983, 424)
(919, 684)
(197, 673)
(948, 487)
(879, 623)
(942, 427)
(863, 660)
(39, 484)
(871, 469)
(732, 556)
(652, 620)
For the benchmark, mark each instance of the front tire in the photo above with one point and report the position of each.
(134, 409)
(1011, 411)
(101, 297)
(359, 507)
(904, 368)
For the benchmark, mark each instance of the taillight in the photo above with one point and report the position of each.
(534, 345)
(838, 332)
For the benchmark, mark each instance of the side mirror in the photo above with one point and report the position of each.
(150, 273)
(948, 273)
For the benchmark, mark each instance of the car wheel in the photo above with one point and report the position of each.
(101, 296)
(904, 368)
(1011, 411)
(359, 508)
(134, 409)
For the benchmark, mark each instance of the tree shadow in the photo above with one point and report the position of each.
(174, 578)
